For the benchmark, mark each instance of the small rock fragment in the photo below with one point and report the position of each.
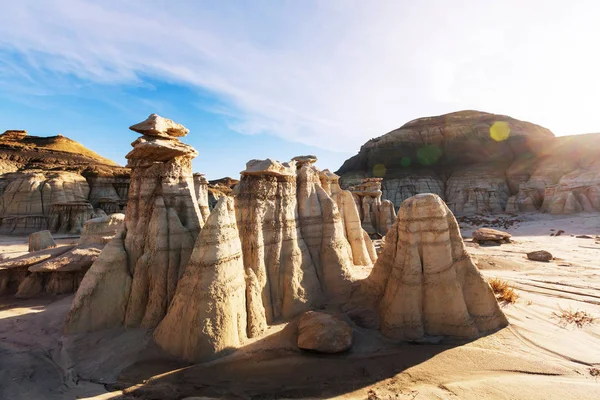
(540, 255)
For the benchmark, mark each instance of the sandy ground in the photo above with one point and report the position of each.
(536, 357)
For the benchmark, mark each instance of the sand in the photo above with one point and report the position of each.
(536, 357)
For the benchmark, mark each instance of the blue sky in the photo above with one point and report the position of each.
(282, 78)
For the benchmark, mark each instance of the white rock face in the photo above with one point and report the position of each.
(425, 283)
(281, 276)
(208, 312)
(27, 198)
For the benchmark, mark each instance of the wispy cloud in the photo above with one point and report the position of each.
(326, 73)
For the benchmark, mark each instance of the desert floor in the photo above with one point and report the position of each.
(537, 357)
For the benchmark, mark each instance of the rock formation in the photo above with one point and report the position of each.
(377, 216)
(425, 283)
(208, 313)
(146, 260)
(281, 276)
(162, 220)
(201, 190)
(482, 163)
(59, 270)
(54, 183)
(40, 241)
(363, 251)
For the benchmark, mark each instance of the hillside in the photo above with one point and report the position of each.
(478, 162)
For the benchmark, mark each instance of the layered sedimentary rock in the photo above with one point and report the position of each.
(482, 163)
(27, 198)
(13, 272)
(377, 216)
(162, 220)
(63, 272)
(363, 251)
(146, 260)
(208, 313)
(425, 283)
(201, 190)
(323, 230)
(39, 172)
(281, 276)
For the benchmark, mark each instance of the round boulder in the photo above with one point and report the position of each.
(40, 241)
(483, 235)
(540, 255)
(323, 333)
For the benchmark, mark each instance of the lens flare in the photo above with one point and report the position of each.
(500, 131)
(429, 154)
(379, 170)
(405, 162)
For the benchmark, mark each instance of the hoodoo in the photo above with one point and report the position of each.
(425, 283)
(161, 225)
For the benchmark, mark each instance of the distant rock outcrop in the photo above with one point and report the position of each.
(482, 163)
(55, 183)
(57, 270)
(377, 216)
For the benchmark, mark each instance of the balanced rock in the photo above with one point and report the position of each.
(540, 255)
(208, 312)
(40, 241)
(155, 125)
(323, 333)
(483, 235)
(425, 283)
(150, 255)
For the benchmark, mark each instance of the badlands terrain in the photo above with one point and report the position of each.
(374, 282)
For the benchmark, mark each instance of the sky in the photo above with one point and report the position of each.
(275, 79)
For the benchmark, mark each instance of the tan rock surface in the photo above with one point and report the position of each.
(281, 277)
(425, 283)
(101, 300)
(162, 222)
(208, 313)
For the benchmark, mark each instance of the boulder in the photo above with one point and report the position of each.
(483, 235)
(540, 255)
(40, 241)
(323, 333)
